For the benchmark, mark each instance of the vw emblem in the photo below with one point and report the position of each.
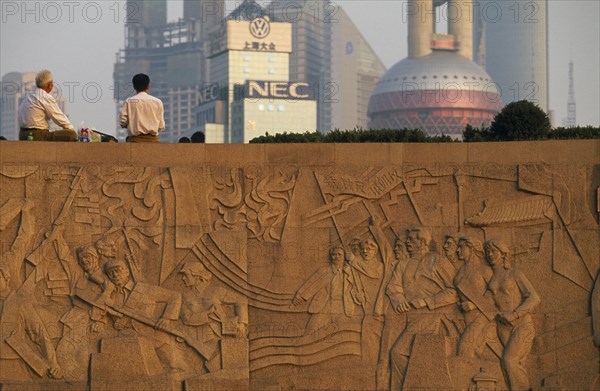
(260, 27)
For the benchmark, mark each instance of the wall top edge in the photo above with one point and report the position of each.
(547, 151)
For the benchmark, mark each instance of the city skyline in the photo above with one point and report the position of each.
(78, 42)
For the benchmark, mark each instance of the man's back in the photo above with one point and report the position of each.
(143, 114)
(37, 108)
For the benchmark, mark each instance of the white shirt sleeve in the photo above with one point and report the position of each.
(54, 113)
(161, 125)
(124, 115)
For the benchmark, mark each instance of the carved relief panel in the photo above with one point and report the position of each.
(296, 276)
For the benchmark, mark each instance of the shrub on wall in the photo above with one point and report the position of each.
(576, 132)
(471, 134)
(354, 136)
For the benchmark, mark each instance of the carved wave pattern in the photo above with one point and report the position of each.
(259, 204)
(231, 275)
(310, 349)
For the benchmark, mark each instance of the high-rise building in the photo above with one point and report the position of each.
(251, 92)
(329, 51)
(571, 119)
(437, 88)
(14, 87)
(355, 69)
(516, 47)
(172, 54)
(310, 59)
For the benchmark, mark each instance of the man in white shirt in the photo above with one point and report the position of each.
(38, 107)
(142, 114)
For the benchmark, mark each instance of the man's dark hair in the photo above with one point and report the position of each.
(184, 140)
(198, 138)
(141, 82)
(2, 138)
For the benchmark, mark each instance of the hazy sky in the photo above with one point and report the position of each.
(78, 40)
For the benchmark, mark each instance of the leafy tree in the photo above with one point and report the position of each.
(522, 120)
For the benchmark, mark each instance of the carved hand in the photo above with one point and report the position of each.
(418, 303)
(467, 306)
(297, 300)
(55, 372)
(96, 327)
(361, 298)
(108, 286)
(403, 307)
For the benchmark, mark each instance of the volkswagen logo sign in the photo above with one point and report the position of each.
(260, 27)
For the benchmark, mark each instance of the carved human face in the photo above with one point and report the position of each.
(398, 249)
(413, 243)
(336, 257)
(368, 249)
(450, 247)
(355, 246)
(188, 278)
(107, 249)
(493, 256)
(464, 250)
(88, 261)
(119, 275)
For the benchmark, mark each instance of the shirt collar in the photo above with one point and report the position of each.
(129, 285)
(41, 92)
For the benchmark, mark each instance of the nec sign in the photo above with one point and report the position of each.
(212, 92)
(278, 90)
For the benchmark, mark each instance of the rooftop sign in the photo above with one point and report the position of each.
(259, 34)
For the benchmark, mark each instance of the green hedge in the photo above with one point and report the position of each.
(472, 134)
(577, 132)
(517, 121)
(354, 136)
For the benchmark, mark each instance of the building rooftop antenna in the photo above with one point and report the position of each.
(571, 106)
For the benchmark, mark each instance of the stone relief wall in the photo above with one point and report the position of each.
(400, 267)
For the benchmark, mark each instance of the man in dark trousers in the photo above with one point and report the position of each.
(38, 107)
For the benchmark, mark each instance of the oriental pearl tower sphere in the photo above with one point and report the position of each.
(437, 88)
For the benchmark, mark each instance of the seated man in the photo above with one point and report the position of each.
(142, 114)
(38, 107)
